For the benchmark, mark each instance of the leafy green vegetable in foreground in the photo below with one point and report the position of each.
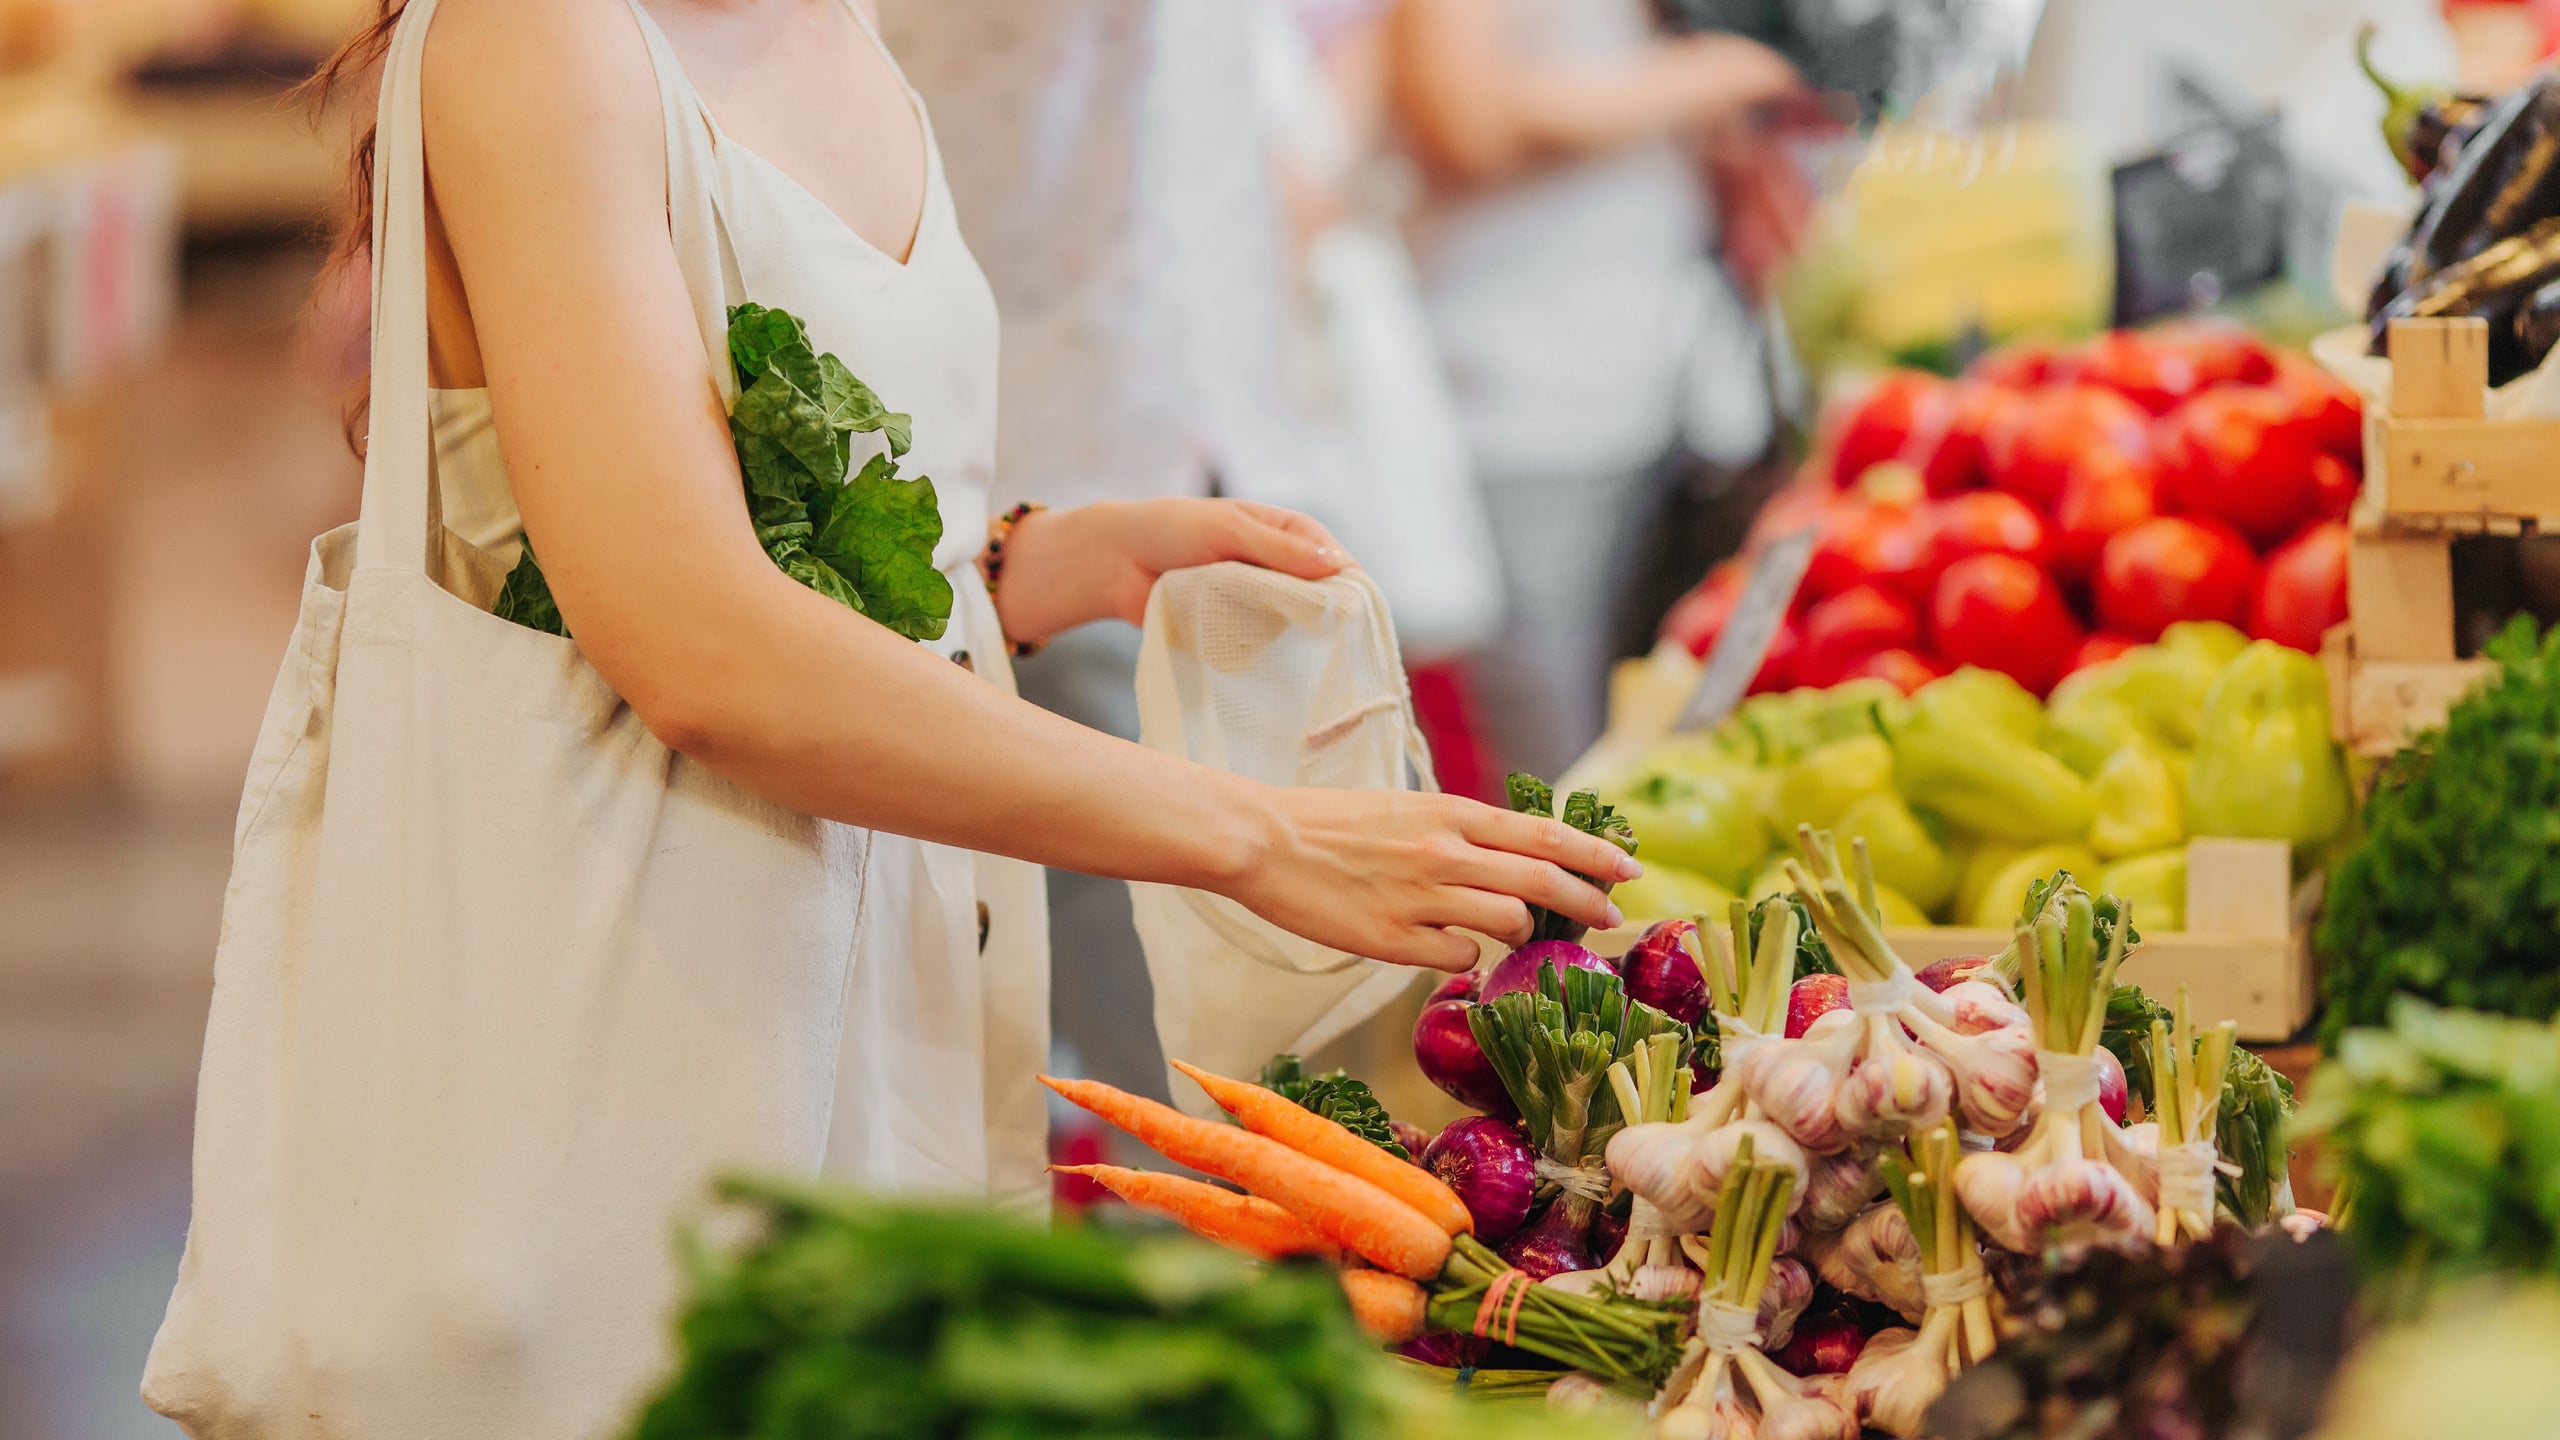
(2453, 895)
(864, 540)
(1337, 1097)
(1583, 811)
(2443, 1132)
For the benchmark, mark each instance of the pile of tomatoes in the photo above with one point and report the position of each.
(2057, 505)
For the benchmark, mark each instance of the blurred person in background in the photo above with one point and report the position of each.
(1590, 334)
(1107, 164)
(528, 937)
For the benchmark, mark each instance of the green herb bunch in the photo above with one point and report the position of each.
(1553, 1049)
(1337, 1097)
(1583, 811)
(864, 539)
(2442, 1131)
(857, 1321)
(2453, 894)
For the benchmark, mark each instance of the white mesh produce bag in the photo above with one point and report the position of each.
(1290, 682)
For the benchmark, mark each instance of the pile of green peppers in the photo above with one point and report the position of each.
(1970, 789)
(2486, 242)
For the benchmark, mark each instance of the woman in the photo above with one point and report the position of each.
(1589, 335)
(526, 939)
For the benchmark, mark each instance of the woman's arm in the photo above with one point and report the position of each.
(1482, 111)
(545, 152)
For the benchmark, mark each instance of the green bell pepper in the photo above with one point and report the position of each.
(1997, 701)
(1667, 892)
(2264, 764)
(2004, 897)
(2139, 804)
(1821, 786)
(2154, 884)
(1956, 754)
(1706, 821)
(1908, 855)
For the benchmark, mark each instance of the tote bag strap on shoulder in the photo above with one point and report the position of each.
(395, 529)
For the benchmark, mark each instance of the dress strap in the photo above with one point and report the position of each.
(703, 247)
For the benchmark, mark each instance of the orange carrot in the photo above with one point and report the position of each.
(1388, 1306)
(1240, 1222)
(1344, 1209)
(1266, 1112)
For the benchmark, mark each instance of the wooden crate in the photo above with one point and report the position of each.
(2437, 468)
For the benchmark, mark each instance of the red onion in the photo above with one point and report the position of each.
(1457, 987)
(2112, 1096)
(1608, 1233)
(1449, 1348)
(1811, 998)
(1519, 969)
(1825, 1343)
(1489, 1163)
(1446, 1050)
(1939, 974)
(1555, 1244)
(1660, 971)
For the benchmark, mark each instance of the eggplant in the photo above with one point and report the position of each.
(2389, 285)
(2417, 120)
(2493, 285)
(2538, 323)
(2505, 178)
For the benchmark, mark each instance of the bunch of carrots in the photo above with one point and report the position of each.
(1404, 1237)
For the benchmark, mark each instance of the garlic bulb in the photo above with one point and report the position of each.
(1897, 1090)
(1995, 1071)
(1897, 1377)
(2135, 1150)
(1796, 1083)
(1783, 1301)
(1789, 1409)
(1659, 1162)
(1715, 1157)
(1877, 1259)
(1971, 1007)
(1839, 1186)
(1661, 1283)
(2081, 1202)
(1987, 1185)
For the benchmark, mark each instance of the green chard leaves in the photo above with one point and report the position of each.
(864, 539)
(1335, 1096)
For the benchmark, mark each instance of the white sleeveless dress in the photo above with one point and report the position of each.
(404, 1231)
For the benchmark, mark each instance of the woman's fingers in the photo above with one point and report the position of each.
(1536, 882)
(1543, 837)
(1428, 947)
(1489, 911)
(1282, 540)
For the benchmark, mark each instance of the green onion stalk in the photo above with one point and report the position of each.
(1723, 1376)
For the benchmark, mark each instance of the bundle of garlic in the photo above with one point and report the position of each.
(1867, 1077)
(1725, 1387)
(2068, 1185)
(2186, 1101)
(1676, 1168)
(1901, 1372)
(1655, 1095)
(1878, 1258)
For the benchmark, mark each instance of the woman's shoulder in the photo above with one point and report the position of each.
(523, 77)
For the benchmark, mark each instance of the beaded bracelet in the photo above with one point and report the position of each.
(991, 562)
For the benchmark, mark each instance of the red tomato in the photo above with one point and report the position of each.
(1806, 502)
(1852, 625)
(2003, 613)
(1960, 458)
(2107, 491)
(1778, 668)
(2334, 483)
(2241, 455)
(2098, 649)
(2156, 377)
(1697, 618)
(2330, 406)
(2170, 569)
(1984, 523)
(1882, 423)
(1907, 669)
(2031, 458)
(2224, 353)
(1861, 543)
(2023, 365)
(2302, 591)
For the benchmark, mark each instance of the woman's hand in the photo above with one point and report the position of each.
(1063, 568)
(1393, 874)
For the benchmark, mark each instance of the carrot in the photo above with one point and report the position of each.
(1388, 1306)
(1266, 1112)
(1344, 1209)
(1239, 1222)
